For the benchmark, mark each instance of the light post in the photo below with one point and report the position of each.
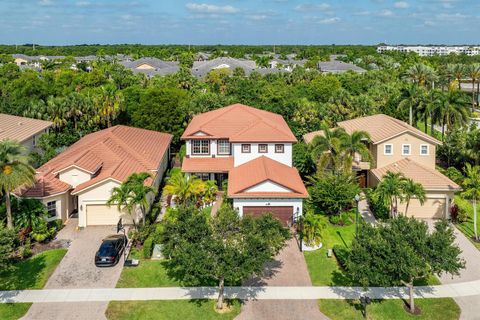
(357, 199)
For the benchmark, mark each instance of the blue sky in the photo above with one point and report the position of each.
(239, 21)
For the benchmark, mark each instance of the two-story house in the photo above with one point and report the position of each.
(252, 149)
(399, 147)
(80, 179)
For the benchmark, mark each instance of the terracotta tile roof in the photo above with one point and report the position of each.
(430, 179)
(240, 123)
(219, 164)
(113, 153)
(20, 128)
(264, 169)
(380, 127)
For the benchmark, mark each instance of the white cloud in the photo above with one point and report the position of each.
(401, 5)
(257, 17)
(210, 8)
(329, 20)
(307, 7)
(45, 2)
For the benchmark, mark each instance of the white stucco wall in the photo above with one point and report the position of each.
(297, 204)
(96, 195)
(74, 176)
(62, 204)
(240, 158)
(268, 186)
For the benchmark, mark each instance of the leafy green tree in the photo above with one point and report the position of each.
(413, 99)
(420, 74)
(15, 172)
(412, 189)
(7, 240)
(356, 143)
(224, 249)
(333, 192)
(376, 253)
(471, 185)
(327, 149)
(473, 72)
(302, 159)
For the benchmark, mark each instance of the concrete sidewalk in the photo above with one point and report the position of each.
(454, 290)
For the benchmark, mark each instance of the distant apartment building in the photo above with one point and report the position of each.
(432, 50)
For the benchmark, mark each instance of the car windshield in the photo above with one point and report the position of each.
(107, 248)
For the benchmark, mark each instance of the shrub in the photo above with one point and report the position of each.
(342, 219)
(25, 250)
(57, 224)
(148, 248)
(41, 231)
(378, 208)
(333, 193)
(341, 253)
(313, 226)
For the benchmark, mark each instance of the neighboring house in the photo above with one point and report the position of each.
(151, 66)
(335, 66)
(80, 179)
(25, 61)
(287, 65)
(399, 147)
(252, 149)
(201, 68)
(27, 131)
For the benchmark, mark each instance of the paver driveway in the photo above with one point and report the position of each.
(287, 269)
(77, 270)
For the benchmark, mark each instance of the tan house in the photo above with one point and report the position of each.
(80, 179)
(399, 147)
(26, 131)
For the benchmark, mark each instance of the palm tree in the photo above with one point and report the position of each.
(122, 197)
(186, 188)
(354, 144)
(139, 191)
(420, 74)
(471, 186)
(451, 109)
(327, 148)
(15, 172)
(413, 98)
(109, 104)
(412, 189)
(210, 192)
(390, 190)
(473, 72)
(458, 71)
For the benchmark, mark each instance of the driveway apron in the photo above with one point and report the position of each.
(287, 269)
(77, 270)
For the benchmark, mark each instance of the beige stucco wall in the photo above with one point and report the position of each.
(74, 176)
(63, 205)
(98, 194)
(382, 160)
(436, 205)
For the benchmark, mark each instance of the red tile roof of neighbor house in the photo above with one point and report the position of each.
(380, 127)
(20, 128)
(261, 170)
(430, 179)
(219, 164)
(239, 123)
(114, 153)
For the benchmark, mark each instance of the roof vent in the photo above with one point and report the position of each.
(20, 123)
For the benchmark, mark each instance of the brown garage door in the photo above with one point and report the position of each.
(284, 214)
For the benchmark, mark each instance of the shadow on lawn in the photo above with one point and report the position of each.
(23, 274)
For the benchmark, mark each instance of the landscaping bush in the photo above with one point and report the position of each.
(313, 226)
(333, 193)
(341, 253)
(342, 219)
(148, 248)
(377, 207)
(57, 224)
(458, 214)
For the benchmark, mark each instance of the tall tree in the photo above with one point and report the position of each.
(109, 103)
(15, 172)
(413, 99)
(225, 248)
(327, 148)
(390, 191)
(140, 191)
(122, 198)
(376, 252)
(471, 186)
(420, 74)
(473, 72)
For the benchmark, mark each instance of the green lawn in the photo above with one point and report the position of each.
(467, 227)
(174, 309)
(32, 273)
(432, 309)
(149, 273)
(325, 271)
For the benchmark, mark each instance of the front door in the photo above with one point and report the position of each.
(219, 178)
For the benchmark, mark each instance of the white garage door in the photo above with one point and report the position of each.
(433, 208)
(101, 214)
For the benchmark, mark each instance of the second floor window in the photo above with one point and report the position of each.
(406, 149)
(279, 148)
(388, 149)
(263, 148)
(223, 147)
(200, 147)
(424, 149)
(245, 148)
